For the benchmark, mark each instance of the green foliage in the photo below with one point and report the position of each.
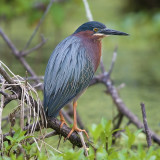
(33, 10)
(14, 146)
(11, 9)
(102, 135)
(101, 148)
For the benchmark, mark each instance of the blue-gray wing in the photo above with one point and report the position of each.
(69, 71)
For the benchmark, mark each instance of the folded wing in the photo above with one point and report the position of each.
(68, 72)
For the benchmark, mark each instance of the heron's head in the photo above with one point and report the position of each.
(97, 29)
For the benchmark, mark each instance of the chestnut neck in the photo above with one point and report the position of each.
(92, 43)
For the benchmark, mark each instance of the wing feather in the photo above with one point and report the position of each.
(68, 72)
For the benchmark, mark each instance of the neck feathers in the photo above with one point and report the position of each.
(92, 44)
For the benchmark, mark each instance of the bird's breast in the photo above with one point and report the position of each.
(93, 48)
(92, 45)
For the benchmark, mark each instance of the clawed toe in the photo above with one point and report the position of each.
(77, 130)
(62, 123)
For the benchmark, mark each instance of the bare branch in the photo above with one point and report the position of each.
(39, 24)
(147, 130)
(9, 43)
(88, 11)
(119, 121)
(34, 78)
(8, 97)
(117, 126)
(83, 143)
(55, 125)
(16, 116)
(111, 66)
(96, 79)
(6, 75)
(3, 93)
(11, 82)
(24, 53)
(113, 61)
(17, 54)
(28, 68)
(102, 66)
(1, 110)
(64, 131)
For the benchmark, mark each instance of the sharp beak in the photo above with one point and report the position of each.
(108, 31)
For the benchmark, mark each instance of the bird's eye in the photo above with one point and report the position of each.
(95, 29)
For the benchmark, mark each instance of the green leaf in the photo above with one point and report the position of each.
(91, 155)
(116, 130)
(5, 143)
(96, 131)
(10, 138)
(54, 156)
(103, 122)
(108, 128)
(101, 154)
(131, 137)
(74, 155)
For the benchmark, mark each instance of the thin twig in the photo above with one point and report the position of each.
(48, 135)
(59, 141)
(83, 143)
(102, 66)
(1, 110)
(6, 75)
(88, 11)
(34, 78)
(24, 53)
(4, 93)
(147, 130)
(113, 61)
(117, 126)
(51, 147)
(9, 43)
(22, 110)
(18, 55)
(39, 24)
(119, 121)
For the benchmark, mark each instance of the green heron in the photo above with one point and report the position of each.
(71, 67)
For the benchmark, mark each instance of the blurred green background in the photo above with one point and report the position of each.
(137, 63)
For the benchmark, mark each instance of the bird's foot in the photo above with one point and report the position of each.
(77, 130)
(62, 123)
(62, 120)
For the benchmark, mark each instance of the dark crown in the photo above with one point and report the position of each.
(90, 26)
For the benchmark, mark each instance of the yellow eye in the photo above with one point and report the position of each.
(95, 29)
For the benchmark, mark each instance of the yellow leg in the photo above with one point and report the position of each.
(62, 119)
(75, 128)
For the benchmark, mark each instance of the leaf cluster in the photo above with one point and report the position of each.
(101, 148)
(17, 146)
